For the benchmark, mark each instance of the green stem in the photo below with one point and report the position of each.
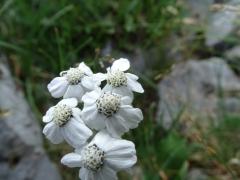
(61, 59)
(31, 99)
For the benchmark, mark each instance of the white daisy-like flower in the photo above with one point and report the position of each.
(118, 81)
(64, 122)
(107, 109)
(73, 83)
(102, 158)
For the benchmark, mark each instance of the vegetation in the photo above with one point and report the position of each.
(41, 38)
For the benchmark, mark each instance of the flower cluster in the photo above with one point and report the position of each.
(106, 110)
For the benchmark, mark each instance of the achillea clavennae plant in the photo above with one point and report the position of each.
(108, 110)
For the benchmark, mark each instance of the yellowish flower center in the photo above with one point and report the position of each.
(93, 158)
(74, 76)
(108, 104)
(61, 114)
(116, 78)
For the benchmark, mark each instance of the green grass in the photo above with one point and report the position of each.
(42, 37)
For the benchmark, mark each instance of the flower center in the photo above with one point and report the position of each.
(108, 104)
(93, 158)
(61, 113)
(74, 76)
(116, 78)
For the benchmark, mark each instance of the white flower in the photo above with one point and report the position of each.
(110, 110)
(102, 158)
(118, 81)
(73, 83)
(64, 122)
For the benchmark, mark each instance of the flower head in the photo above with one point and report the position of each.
(74, 75)
(118, 81)
(102, 158)
(107, 109)
(108, 104)
(74, 82)
(64, 122)
(93, 158)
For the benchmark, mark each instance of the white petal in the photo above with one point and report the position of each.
(132, 116)
(128, 170)
(121, 155)
(85, 174)
(47, 119)
(132, 76)
(80, 148)
(49, 112)
(91, 97)
(134, 85)
(106, 173)
(103, 139)
(120, 64)
(75, 133)
(116, 126)
(89, 114)
(75, 91)
(52, 132)
(99, 77)
(77, 117)
(124, 91)
(71, 102)
(72, 160)
(88, 82)
(98, 123)
(85, 68)
(98, 90)
(126, 100)
(107, 88)
(76, 111)
(58, 86)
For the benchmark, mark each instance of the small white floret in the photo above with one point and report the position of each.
(110, 110)
(119, 82)
(73, 83)
(102, 158)
(64, 122)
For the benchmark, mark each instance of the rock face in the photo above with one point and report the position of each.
(22, 156)
(195, 86)
(221, 24)
(233, 57)
(200, 8)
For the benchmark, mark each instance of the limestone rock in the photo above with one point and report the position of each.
(197, 174)
(233, 57)
(199, 9)
(221, 24)
(22, 156)
(195, 85)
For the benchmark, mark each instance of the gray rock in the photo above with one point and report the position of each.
(22, 156)
(221, 24)
(194, 85)
(233, 53)
(196, 174)
(4, 170)
(199, 9)
(233, 57)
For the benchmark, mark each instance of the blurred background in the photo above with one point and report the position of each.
(185, 52)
